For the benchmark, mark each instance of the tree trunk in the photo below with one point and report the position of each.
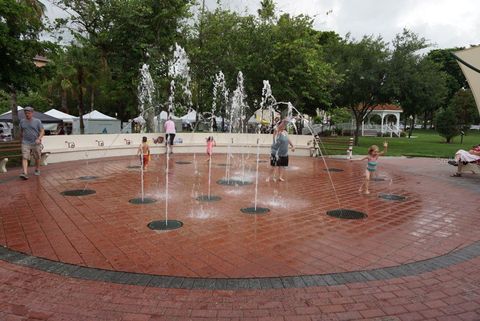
(80, 100)
(65, 101)
(358, 124)
(14, 109)
(425, 115)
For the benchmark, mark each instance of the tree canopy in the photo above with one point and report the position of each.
(312, 69)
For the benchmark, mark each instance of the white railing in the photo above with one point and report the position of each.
(392, 130)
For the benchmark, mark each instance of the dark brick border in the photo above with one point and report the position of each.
(301, 281)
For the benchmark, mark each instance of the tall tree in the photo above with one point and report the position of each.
(122, 32)
(464, 107)
(414, 81)
(448, 64)
(363, 68)
(20, 26)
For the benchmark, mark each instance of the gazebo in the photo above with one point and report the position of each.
(387, 124)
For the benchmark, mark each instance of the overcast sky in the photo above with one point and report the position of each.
(445, 23)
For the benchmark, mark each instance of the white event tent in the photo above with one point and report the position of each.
(66, 118)
(96, 122)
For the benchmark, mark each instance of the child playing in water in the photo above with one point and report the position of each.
(144, 152)
(373, 154)
(210, 144)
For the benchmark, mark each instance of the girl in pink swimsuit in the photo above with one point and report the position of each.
(210, 144)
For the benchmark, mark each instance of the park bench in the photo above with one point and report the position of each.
(331, 145)
(12, 150)
(9, 150)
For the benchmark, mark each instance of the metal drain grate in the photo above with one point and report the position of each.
(206, 198)
(87, 178)
(347, 214)
(224, 165)
(253, 210)
(332, 169)
(78, 192)
(233, 182)
(392, 197)
(182, 162)
(165, 225)
(378, 179)
(134, 166)
(145, 200)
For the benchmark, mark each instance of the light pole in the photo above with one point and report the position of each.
(411, 126)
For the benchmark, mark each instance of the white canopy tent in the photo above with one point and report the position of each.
(61, 115)
(469, 61)
(96, 122)
(164, 116)
(160, 119)
(263, 116)
(189, 118)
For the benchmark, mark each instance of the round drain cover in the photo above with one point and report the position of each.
(182, 162)
(78, 192)
(165, 225)
(392, 197)
(145, 200)
(253, 210)
(206, 198)
(331, 169)
(87, 178)
(346, 214)
(233, 182)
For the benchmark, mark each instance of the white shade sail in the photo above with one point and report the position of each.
(469, 61)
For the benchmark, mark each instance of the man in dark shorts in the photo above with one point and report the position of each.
(279, 152)
(169, 134)
(31, 133)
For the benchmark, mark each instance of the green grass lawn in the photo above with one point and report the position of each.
(427, 143)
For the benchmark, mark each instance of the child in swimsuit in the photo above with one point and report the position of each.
(373, 154)
(210, 144)
(144, 153)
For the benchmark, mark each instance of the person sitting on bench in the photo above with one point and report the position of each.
(462, 158)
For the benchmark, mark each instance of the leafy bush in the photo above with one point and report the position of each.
(446, 124)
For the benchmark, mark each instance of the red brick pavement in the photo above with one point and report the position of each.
(443, 295)
(103, 230)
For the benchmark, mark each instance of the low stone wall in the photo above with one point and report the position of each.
(64, 148)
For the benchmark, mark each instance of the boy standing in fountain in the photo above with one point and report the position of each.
(170, 132)
(144, 152)
(279, 152)
(31, 133)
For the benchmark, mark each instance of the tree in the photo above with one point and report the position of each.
(455, 79)
(446, 124)
(286, 52)
(121, 32)
(362, 65)
(463, 104)
(267, 10)
(415, 81)
(20, 26)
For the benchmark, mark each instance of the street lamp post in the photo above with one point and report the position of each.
(411, 126)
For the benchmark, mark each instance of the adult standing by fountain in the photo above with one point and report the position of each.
(279, 151)
(31, 132)
(169, 134)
